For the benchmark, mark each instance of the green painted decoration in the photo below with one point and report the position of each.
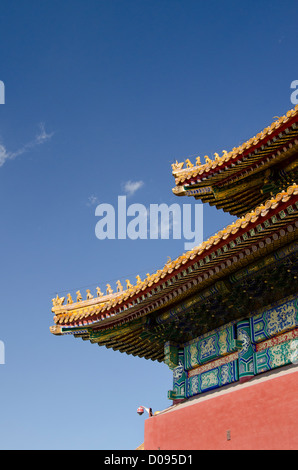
(179, 379)
(210, 347)
(171, 355)
(246, 353)
(275, 320)
(276, 356)
(214, 378)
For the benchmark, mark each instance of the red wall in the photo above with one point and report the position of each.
(260, 414)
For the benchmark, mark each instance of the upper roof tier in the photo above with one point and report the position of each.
(241, 179)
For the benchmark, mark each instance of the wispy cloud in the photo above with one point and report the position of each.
(130, 187)
(42, 136)
(39, 139)
(92, 200)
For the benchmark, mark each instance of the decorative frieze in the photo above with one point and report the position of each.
(290, 335)
(179, 379)
(276, 356)
(237, 351)
(210, 347)
(213, 365)
(275, 320)
(246, 353)
(222, 375)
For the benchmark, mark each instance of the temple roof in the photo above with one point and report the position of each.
(141, 318)
(241, 179)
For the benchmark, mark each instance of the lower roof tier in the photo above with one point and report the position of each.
(248, 265)
(223, 302)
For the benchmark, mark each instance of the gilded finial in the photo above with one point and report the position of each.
(198, 161)
(128, 284)
(58, 301)
(109, 289)
(79, 296)
(119, 286)
(177, 166)
(188, 163)
(98, 292)
(89, 295)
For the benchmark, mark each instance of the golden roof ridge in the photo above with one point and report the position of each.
(102, 304)
(193, 170)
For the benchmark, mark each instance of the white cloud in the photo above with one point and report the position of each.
(40, 138)
(43, 136)
(130, 187)
(92, 200)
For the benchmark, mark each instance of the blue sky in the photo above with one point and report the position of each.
(98, 94)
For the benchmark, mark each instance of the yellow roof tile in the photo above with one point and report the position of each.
(85, 308)
(181, 174)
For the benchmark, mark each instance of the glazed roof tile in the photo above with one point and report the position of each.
(192, 170)
(83, 312)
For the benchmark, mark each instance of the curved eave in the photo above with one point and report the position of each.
(136, 336)
(270, 138)
(222, 253)
(210, 182)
